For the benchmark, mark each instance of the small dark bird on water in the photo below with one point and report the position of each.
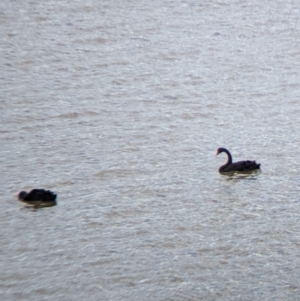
(236, 166)
(38, 197)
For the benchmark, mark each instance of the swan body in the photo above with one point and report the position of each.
(38, 197)
(236, 166)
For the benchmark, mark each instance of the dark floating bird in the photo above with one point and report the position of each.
(38, 197)
(236, 166)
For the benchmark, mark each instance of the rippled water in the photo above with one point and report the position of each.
(119, 107)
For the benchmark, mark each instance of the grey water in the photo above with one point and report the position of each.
(119, 107)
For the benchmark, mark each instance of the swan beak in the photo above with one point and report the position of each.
(217, 153)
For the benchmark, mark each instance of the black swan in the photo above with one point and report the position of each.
(38, 197)
(236, 166)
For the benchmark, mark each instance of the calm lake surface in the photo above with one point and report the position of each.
(119, 107)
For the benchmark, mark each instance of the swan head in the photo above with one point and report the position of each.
(220, 150)
(22, 195)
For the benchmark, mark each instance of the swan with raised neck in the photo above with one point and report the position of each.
(236, 166)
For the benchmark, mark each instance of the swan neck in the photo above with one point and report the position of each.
(229, 158)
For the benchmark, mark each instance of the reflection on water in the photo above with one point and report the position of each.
(39, 205)
(242, 175)
(34, 208)
(119, 107)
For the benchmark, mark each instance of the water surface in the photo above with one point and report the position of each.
(119, 107)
